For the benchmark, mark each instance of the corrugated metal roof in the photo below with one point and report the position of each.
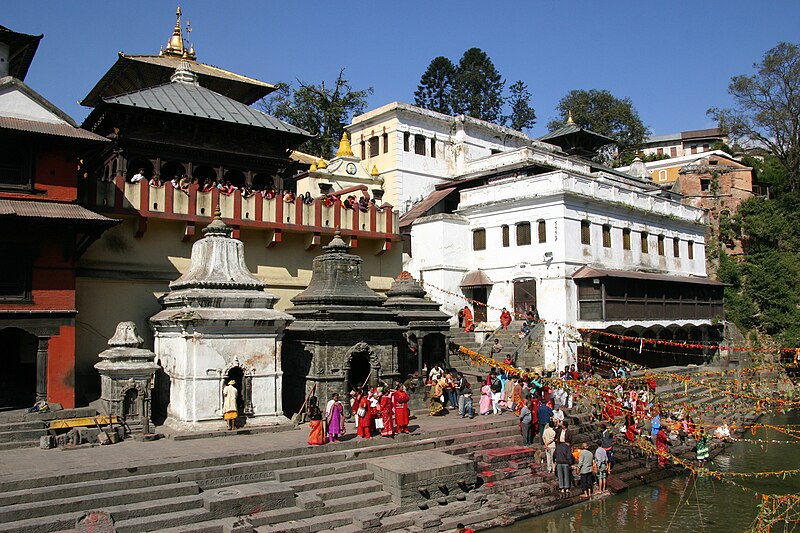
(194, 100)
(421, 207)
(134, 72)
(32, 209)
(588, 272)
(48, 128)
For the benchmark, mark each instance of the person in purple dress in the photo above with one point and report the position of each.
(334, 417)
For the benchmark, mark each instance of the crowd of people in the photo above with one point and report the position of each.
(268, 191)
(378, 411)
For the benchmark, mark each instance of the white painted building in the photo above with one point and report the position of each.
(589, 246)
(415, 149)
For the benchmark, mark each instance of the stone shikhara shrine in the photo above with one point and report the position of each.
(219, 325)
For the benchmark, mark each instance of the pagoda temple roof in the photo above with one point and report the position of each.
(134, 72)
(189, 99)
(575, 140)
(22, 48)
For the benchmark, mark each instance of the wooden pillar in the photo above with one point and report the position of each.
(41, 368)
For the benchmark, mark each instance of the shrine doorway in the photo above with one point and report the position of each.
(18, 379)
(359, 370)
(172, 170)
(236, 374)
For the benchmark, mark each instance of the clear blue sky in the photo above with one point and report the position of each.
(672, 58)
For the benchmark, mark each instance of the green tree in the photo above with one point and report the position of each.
(602, 112)
(478, 87)
(322, 110)
(766, 108)
(435, 88)
(522, 114)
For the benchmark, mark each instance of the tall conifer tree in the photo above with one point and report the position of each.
(435, 88)
(478, 87)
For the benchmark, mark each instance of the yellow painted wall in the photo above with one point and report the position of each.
(121, 277)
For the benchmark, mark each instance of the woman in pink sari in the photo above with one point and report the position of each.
(334, 416)
(486, 400)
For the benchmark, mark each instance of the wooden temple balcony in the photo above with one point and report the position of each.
(379, 223)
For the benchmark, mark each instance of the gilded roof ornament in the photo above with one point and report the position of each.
(175, 45)
(344, 146)
(313, 167)
(570, 120)
(321, 164)
(374, 172)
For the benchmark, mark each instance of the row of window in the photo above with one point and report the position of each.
(644, 242)
(420, 144)
(522, 233)
(523, 238)
(373, 144)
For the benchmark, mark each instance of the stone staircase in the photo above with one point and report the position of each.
(21, 429)
(512, 345)
(327, 485)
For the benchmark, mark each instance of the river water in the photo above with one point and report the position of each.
(686, 503)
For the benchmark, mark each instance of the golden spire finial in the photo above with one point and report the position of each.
(344, 146)
(313, 167)
(175, 44)
(570, 120)
(321, 163)
(374, 172)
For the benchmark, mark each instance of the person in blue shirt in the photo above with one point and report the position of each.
(544, 413)
(656, 421)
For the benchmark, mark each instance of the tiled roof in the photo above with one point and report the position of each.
(48, 128)
(195, 100)
(54, 210)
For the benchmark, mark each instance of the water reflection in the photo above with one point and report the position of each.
(685, 503)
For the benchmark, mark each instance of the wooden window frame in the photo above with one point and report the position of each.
(626, 238)
(541, 228)
(586, 232)
(479, 239)
(606, 235)
(523, 231)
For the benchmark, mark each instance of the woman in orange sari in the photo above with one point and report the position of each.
(468, 323)
(317, 435)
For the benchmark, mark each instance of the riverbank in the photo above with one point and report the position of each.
(687, 502)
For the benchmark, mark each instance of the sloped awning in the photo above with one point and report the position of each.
(587, 272)
(422, 207)
(475, 278)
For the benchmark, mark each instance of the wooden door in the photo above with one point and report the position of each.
(524, 296)
(479, 294)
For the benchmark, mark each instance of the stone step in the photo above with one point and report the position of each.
(66, 521)
(331, 521)
(499, 455)
(22, 435)
(85, 488)
(252, 471)
(341, 478)
(469, 518)
(14, 445)
(345, 490)
(22, 511)
(161, 521)
(15, 426)
(302, 473)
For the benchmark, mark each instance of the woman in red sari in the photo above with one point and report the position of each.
(386, 409)
(468, 322)
(505, 318)
(363, 415)
(662, 445)
(401, 409)
(317, 435)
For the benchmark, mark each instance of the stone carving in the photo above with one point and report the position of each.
(95, 522)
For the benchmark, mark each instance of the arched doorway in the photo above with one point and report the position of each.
(172, 170)
(134, 166)
(236, 374)
(204, 174)
(359, 370)
(160, 395)
(236, 177)
(262, 182)
(18, 378)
